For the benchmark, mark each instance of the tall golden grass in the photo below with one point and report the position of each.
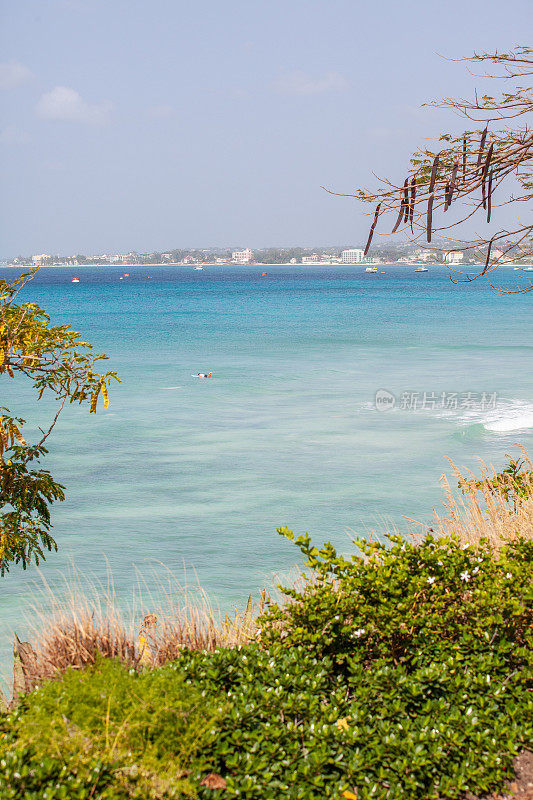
(82, 623)
(477, 509)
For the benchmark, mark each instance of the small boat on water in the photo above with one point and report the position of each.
(371, 269)
(525, 269)
(75, 280)
(198, 268)
(421, 269)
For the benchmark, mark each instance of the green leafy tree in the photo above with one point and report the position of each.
(60, 364)
(475, 173)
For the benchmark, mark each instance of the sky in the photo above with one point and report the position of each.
(134, 125)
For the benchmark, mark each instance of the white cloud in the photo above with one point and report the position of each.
(63, 103)
(13, 135)
(299, 82)
(13, 74)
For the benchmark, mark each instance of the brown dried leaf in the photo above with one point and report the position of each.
(213, 781)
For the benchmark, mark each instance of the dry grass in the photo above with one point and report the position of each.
(81, 625)
(477, 510)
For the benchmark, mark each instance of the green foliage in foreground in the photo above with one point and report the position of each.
(293, 731)
(59, 364)
(107, 732)
(410, 605)
(374, 679)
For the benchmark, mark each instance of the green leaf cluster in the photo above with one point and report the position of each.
(58, 362)
(106, 732)
(408, 604)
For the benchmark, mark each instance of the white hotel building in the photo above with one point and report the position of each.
(454, 257)
(352, 256)
(242, 256)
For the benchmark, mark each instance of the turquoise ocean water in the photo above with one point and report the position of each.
(201, 472)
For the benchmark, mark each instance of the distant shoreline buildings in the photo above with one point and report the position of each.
(382, 254)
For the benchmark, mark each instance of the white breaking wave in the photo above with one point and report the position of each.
(507, 416)
(514, 423)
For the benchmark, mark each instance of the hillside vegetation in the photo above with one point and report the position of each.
(403, 671)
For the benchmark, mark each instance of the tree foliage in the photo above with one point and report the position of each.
(57, 362)
(478, 171)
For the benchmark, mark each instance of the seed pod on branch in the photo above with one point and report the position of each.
(488, 256)
(399, 217)
(404, 207)
(406, 199)
(481, 147)
(489, 198)
(452, 182)
(447, 196)
(429, 217)
(464, 160)
(484, 174)
(412, 206)
(433, 174)
(370, 235)
(486, 165)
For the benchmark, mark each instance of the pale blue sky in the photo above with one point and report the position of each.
(129, 124)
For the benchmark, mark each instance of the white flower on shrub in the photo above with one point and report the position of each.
(465, 576)
(431, 579)
(358, 632)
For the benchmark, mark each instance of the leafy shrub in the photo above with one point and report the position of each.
(104, 732)
(410, 604)
(280, 737)
(404, 673)
(296, 729)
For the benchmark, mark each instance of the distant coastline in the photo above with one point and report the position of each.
(251, 264)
